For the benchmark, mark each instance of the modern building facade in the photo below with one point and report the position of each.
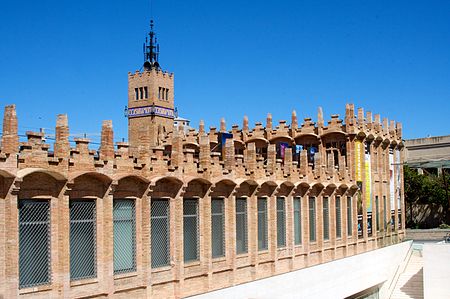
(175, 212)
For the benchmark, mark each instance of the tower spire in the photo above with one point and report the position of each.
(151, 50)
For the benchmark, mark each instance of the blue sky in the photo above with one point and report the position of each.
(230, 59)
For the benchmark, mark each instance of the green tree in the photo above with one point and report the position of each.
(426, 189)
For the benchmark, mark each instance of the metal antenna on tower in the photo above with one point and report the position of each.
(151, 47)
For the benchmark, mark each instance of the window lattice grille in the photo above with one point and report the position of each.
(349, 216)
(326, 219)
(217, 227)
(83, 243)
(281, 222)
(262, 224)
(190, 229)
(377, 213)
(338, 217)
(312, 219)
(124, 236)
(297, 221)
(241, 225)
(160, 233)
(34, 243)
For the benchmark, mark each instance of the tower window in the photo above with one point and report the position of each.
(141, 93)
(163, 93)
(136, 94)
(146, 92)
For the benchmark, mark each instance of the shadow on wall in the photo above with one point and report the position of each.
(427, 216)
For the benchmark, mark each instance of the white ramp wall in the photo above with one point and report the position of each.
(337, 279)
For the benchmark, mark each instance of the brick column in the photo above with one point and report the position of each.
(10, 139)
(12, 241)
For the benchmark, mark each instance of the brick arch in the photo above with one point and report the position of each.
(267, 189)
(39, 184)
(197, 188)
(301, 189)
(246, 188)
(90, 184)
(285, 189)
(329, 189)
(131, 185)
(316, 189)
(166, 187)
(223, 188)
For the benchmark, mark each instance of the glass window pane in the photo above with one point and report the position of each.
(326, 219)
(312, 219)
(281, 222)
(83, 239)
(262, 224)
(338, 217)
(349, 216)
(124, 236)
(34, 243)
(160, 237)
(190, 230)
(241, 225)
(217, 227)
(297, 221)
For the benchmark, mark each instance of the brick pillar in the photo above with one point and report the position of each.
(294, 123)
(62, 146)
(320, 122)
(250, 157)
(107, 141)
(12, 241)
(177, 150)
(271, 158)
(245, 128)
(10, 139)
(144, 144)
(303, 162)
(287, 161)
(64, 240)
(230, 161)
(361, 124)
(377, 123)
(205, 152)
(223, 125)
(201, 128)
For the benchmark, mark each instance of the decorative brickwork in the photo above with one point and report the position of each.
(283, 161)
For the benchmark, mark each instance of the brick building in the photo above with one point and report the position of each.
(178, 212)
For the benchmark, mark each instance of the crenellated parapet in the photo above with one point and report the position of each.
(310, 151)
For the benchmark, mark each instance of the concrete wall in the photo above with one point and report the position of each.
(337, 279)
(436, 271)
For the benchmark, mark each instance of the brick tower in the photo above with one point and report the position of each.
(150, 98)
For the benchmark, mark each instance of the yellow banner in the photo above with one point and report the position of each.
(368, 183)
